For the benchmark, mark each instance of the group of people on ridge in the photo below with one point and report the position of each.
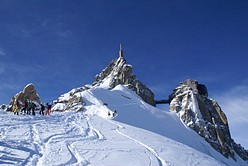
(29, 107)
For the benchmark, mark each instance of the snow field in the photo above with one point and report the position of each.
(140, 135)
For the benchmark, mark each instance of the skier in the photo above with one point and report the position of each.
(16, 108)
(42, 108)
(115, 113)
(29, 107)
(49, 106)
(33, 106)
(24, 107)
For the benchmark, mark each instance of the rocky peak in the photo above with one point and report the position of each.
(203, 115)
(118, 72)
(199, 88)
(28, 93)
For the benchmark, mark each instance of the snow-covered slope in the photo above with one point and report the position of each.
(139, 135)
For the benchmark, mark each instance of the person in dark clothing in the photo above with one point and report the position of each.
(29, 107)
(24, 107)
(33, 109)
(42, 108)
(115, 113)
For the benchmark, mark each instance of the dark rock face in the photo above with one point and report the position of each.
(190, 100)
(118, 72)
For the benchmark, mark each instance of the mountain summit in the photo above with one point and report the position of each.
(118, 72)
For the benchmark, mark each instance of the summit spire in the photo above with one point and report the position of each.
(121, 51)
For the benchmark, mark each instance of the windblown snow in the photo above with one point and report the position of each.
(140, 135)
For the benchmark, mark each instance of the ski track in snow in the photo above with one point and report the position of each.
(76, 158)
(24, 144)
(161, 161)
(74, 134)
(152, 151)
(95, 132)
(43, 143)
(37, 143)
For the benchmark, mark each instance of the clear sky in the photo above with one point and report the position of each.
(62, 44)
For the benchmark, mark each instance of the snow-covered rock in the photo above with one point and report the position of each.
(71, 101)
(203, 115)
(118, 72)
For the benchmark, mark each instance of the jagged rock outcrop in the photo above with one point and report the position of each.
(74, 103)
(28, 93)
(190, 100)
(70, 101)
(118, 72)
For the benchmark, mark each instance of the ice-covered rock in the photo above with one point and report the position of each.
(204, 115)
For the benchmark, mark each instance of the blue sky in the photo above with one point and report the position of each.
(62, 44)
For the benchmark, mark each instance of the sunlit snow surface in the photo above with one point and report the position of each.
(140, 135)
